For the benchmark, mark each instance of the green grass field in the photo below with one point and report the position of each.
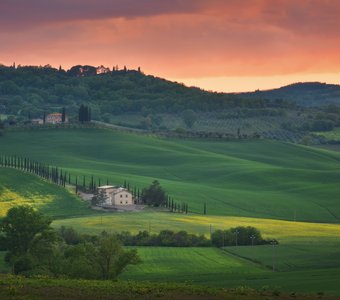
(213, 267)
(261, 183)
(17, 188)
(196, 265)
(305, 249)
(264, 179)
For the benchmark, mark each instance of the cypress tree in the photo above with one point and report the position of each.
(205, 209)
(63, 115)
(89, 115)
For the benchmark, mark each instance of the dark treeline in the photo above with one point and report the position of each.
(166, 238)
(51, 173)
(154, 195)
(239, 236)
(34, 90)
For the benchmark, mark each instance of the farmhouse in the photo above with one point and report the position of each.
(37, 121)
(116, 196)
(55, 118)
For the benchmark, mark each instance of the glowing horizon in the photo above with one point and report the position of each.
(228, 46)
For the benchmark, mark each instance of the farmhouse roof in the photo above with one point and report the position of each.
(106, 187)
(55, 114)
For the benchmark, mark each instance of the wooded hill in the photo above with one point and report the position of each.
(303, 94)
(31, 90)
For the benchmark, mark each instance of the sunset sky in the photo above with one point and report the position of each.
(222, 45)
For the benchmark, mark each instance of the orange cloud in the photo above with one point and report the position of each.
(177, 39)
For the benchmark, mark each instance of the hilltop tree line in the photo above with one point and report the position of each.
(38, 89)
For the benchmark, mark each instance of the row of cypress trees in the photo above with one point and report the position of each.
(51, 173)
(62, 177)
(176, 207)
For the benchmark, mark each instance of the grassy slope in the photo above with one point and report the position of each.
(261, 178)
(209, 266)
(251, 178)
(18, 188)
(305, 249)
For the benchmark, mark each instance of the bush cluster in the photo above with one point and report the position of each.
(239, 236)
(166, 238)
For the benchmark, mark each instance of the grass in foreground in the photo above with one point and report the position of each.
(21, 288)
(208, 266)
(305, 250)
(214, 267)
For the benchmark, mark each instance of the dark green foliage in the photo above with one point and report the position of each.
(84, 114)
(63, 115)
(99, 197)
(154, 195)
(189, 118)
(34, 248)
(304, 94)
(69, 235)
(165, 238)
(21, 226)
(39, 89)
(238, 236)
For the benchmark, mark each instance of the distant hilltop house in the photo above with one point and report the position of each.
(55, 118)
(102, 70)
(37, 121)
(115, 196)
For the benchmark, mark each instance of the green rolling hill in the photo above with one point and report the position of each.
(244, 183)
(260, 178)
(19, 188)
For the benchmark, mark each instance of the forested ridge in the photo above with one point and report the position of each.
(33, 90)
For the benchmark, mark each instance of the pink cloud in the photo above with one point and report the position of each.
(176, 38)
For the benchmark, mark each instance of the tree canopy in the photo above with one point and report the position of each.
(154, 194)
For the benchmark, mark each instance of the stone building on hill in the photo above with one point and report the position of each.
(115, 196)
(55, 118)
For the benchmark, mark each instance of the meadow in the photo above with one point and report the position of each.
(18, 188)
(289, 192)
(259, 178)
(213, 267)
